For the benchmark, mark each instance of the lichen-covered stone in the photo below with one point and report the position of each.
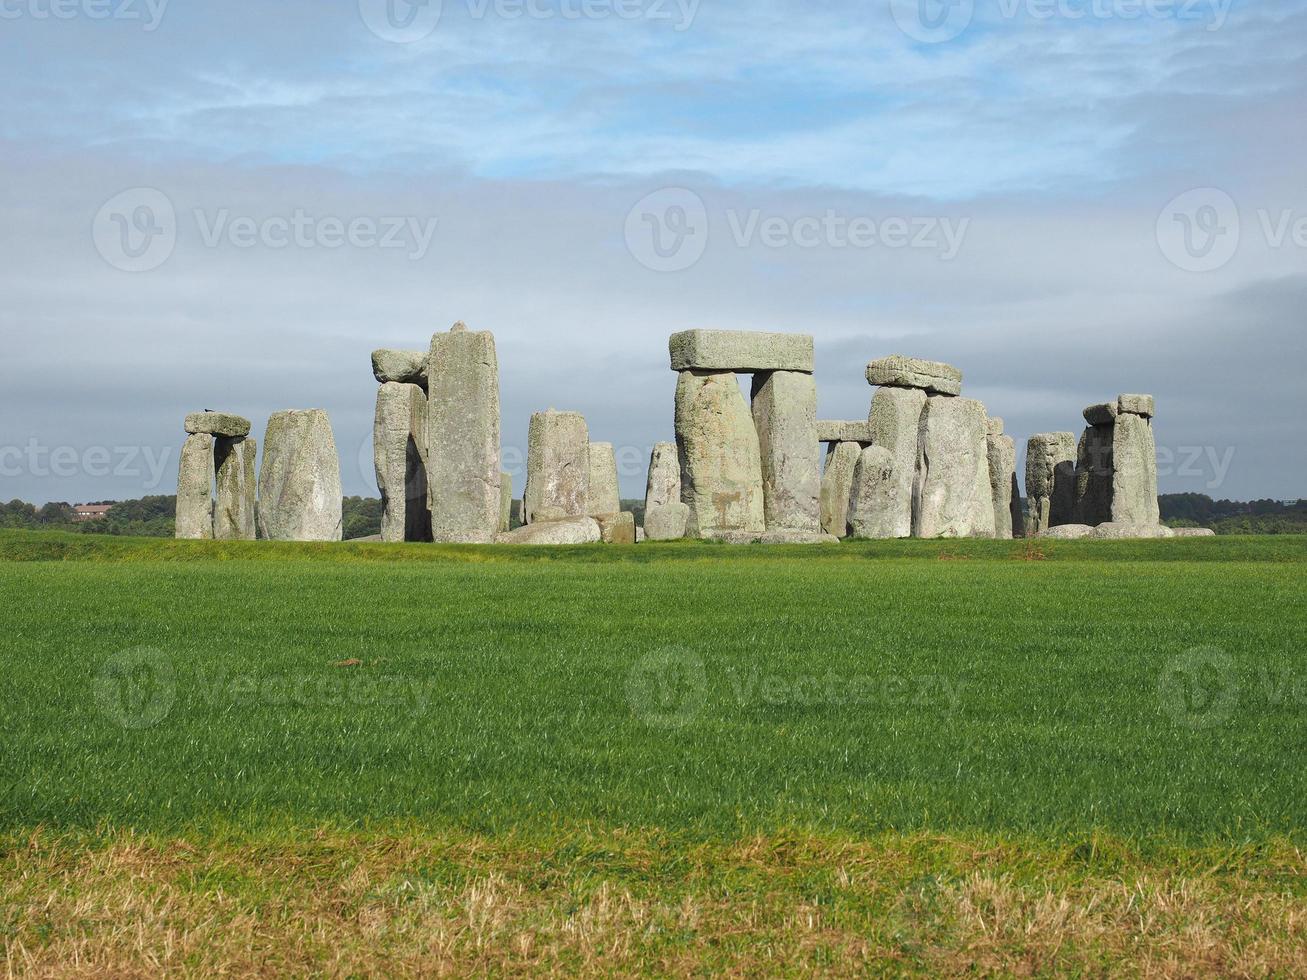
(299, 480)
(721, 462)
(1050, 481)
(664, 483)
(1102, 414)
(783, 536)
(1124, 529)
(666, 522)
(1002, 469)
(217, 424)
(401, 366)
(837, 487)
(1093, 503)
(568, 530)
(1193, 532)
(1136, 405)
(740, 351)
(234, 512)
(399, 451)
(836, 431)
(933, 377)
(195, 488)
(1134, 471)
(557, 467)
(603, 495)
(951, 496)
(1067, 532)
(617, 528)
(895, 421)
(873, 502)
(784, 409)
(505, 501)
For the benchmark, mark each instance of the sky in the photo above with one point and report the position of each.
(229, 206)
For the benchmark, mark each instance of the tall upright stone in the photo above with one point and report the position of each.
(195, 488)
(234, 513)
(603, 495)
(1094, 467)
(895, 421)
(399, 448)
(557, 467)
(299, 480)
(664, 483)
(721, 462)
(463, 436)
(837, 487)
(784, 406)
(1050, 481)
(505, 502)
(1134, 471)
(874, 497)
(951, 490)
(1002, 457)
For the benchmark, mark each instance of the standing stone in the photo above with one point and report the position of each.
(1002, 455)
(1134, 471)
(234, 515)
(721, 462)
(951, 491)
(616, 527)
(785, 415)
(399, 449)
(837, 487)
(666, 522)
(557, 467)
(463, 431)
(299, 481)
(505, 501)
(195, 488)
(1093, 501)
(1018, 514)
(874, 499)
(603, 496)
(895, 422)
(664, 483)
(1050, 481)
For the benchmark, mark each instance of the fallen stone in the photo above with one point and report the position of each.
(873, 502)
(797, 537)
(1093, 501)
(401, 366)
(616, 528)
(568, 530)
(784, 407)
(1050, 481)
(721, 462)
(195, 488)
(399, 451)
(1119, 529)
(895, 420)
(299, 481)
(557, 467)
(666, 522)
(505, 501)
(933, 377)
(1136, 405)
(217, 424)
(603, 496)
(837, 487)
(1193, 532)
(463, 429)
(1103, 414)
(830, 431)
(234, 512)
(664, 483)
(733, 537)
(1134, 471)
(1067, 531)
(1002, 453)
(951, 493)
(741, 351)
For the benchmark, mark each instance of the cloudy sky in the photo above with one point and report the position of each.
(230, 205)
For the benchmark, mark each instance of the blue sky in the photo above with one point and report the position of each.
(1051, 136)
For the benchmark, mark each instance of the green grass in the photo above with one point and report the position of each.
(705, 691)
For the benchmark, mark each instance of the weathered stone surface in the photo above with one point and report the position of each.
(734, 537)
(740, 351)
(785, 416)
(1050, 481)
(797, 537)
(1093, 505)
(1193, 532)
(994, 426)
(463, 429)
(401, 366)
(618, 528)
(934, 377)
(299, 481)
(664, 483)
(666, 522)
(505, 501)
(837, 487)
(568, 530)
(873, 502)
(639, 535)
(1002, 471)
(234, 512)
(1067, 531)
(1134, 471)
(399, 455)
(557, 467)
(217, 424)
(1136, 405)
(1018, 514)
(1119, 529)
(951, 495)
(603, 496)
(195, 488)
(1103, 414)
(517, 515)
(721, 462)
(895, 420)
(833, 431)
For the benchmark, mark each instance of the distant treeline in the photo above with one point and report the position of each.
(1233, 516)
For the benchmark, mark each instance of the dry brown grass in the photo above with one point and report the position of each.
(593, 903)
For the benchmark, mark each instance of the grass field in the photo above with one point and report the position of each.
(885, 756)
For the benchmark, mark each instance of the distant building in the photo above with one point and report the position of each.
(91, 512)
